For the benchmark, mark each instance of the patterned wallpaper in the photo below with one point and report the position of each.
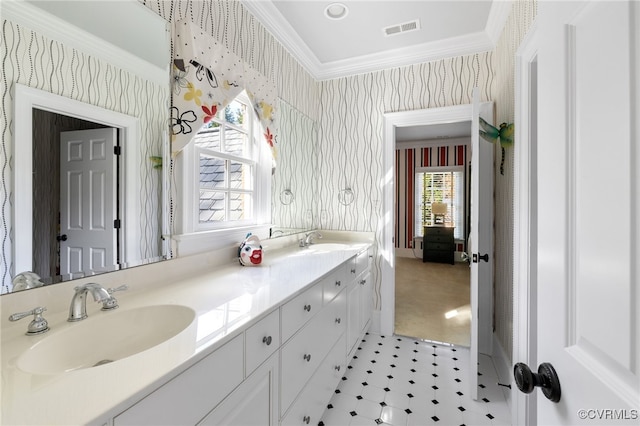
(407, 160)
(231, 24)
(296, 172)
(33, 60)
(522, 16)
(351, 132)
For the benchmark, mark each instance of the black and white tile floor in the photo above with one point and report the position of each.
(394, 380)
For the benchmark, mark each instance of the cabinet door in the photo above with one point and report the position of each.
(186, 398)
(313, 398)
(353, 317)
(254, 403)
(366, 301)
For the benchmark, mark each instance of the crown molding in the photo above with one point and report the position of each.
(55, 28)
(269, 16)
(498, 15)
(426, 52)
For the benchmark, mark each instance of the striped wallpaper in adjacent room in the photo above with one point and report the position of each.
(407, 161)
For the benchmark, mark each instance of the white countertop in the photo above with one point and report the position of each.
(226, 299)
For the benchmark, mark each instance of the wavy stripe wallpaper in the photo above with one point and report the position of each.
(296, 172)
(523, 14)
(351, 132)
(33, 60)
(231, 24)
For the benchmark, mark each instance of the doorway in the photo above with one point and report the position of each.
(50, 230)
(432, 293)
(27, 100)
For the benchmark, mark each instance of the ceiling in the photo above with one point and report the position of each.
(329, 48)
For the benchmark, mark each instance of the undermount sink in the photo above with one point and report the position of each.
(105, 337)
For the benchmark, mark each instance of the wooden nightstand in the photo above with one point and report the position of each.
(438, 245)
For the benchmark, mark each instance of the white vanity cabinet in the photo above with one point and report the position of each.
(253, 403)
(359, 300)
(187, 398)
(281, 369)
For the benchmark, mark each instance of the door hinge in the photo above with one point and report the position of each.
(116, 224)
(117, 150)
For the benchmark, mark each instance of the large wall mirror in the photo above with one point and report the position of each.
(294, 185)
(84, 88)
(69, 68)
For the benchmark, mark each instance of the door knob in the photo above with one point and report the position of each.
(546, 378)
(62, 237)
(479, 256)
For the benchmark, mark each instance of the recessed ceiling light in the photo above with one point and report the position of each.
(336, 11)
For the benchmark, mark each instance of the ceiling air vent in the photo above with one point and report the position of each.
(402, 28)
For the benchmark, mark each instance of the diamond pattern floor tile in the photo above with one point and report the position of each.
(400, 381)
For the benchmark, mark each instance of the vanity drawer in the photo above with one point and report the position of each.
(358, 264)
(313, 399)
(188, 397)
(261, 340)
(334, 284)
(306, 350)
(301, 309)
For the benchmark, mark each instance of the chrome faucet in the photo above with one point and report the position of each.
(78, 307)
(308, 239)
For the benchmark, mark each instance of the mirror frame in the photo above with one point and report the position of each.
(26, 99)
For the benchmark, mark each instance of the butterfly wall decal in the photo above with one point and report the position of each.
(492, 134)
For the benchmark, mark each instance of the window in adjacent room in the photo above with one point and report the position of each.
(440, 186)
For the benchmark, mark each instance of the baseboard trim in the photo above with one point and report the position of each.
(502, 363)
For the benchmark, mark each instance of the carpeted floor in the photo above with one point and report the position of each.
(424, 293)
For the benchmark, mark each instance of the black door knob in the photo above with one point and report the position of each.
(546, 379)
(477, 257)
(62, 237)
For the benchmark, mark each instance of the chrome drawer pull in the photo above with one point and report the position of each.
(337, 320)
(307, 357)
(338, 283)
(363, 282)
(353, 271)
(337, 368)
(307, 308)
(266, 340)
(306, 419)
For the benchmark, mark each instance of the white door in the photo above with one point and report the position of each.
(588, 210)
(87, 201)
(480, 241)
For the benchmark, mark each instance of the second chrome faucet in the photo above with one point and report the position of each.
(78, 307)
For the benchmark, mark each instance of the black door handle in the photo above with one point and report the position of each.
(546, 378)
(62, 237)
(477, 256)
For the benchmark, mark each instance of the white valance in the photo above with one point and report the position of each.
(207, 77)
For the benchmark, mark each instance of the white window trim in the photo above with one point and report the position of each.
(189, 237)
